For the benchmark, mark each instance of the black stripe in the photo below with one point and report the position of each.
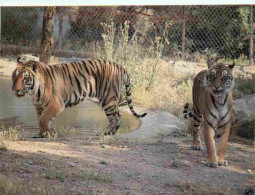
(90, 88)
(74, 65)
(210, 111)
(214, 102)
(196, 125)
(194, 117)
(86, 68)
(78, 84)
(223, 125)
(76, 98)
(209, 123)
(105, 88)
(218, 136)
(109, 100)
(63, 74)
(69, 102)
(225, 114)
(38, 94)
(70, 78)
(129, 101)
(63, 67)
(49, 75)
(197, 112)
(104, 99)
(33, 85)
(96, 85)
(52, 70)
(47, 103)
(110, 108)
(226, 98)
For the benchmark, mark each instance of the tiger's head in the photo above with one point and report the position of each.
(219, 79)
(24, 78)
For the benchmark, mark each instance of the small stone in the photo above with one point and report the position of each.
(104, 162)
(71, 164)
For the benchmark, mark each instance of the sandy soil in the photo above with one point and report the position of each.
(85, 163)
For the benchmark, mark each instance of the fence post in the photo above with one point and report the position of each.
(47, 42)
(251, 36)
(183, 34)
(0, 29)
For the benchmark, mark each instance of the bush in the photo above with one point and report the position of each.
(244, 85)
(142, 63)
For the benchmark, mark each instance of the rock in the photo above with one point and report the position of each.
(27, 57)
(103, 162)
(244, 109)
(156, 124)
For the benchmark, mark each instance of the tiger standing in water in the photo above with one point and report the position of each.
(212, 110)
(55, 87)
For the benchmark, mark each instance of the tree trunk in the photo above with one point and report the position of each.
(251, 36)
(47, 42)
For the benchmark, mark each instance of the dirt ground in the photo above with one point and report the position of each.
(85, 163)
(82, 162)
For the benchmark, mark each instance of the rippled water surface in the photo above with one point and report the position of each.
(86, 115)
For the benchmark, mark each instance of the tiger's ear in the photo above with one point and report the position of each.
(211, 61)
(34, 67)
(19, 61)
(231, 66)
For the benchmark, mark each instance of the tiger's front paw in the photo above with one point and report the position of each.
(197, 147)
(223, 163)
(45, 134)
(211, 164)
(39, 135)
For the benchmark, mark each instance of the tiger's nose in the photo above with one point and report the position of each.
(217, 88)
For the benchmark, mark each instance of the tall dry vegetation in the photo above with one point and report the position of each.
(154, 82)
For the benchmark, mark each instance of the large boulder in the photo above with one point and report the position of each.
(245, 116)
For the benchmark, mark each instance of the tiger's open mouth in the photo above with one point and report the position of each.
(20, 93)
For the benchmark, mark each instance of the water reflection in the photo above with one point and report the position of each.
(86, 115)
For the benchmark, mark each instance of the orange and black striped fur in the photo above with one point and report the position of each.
(212, 110)
(55, 87)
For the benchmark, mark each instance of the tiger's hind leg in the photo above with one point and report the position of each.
(222, 147)
(195, 128)
(114, 118)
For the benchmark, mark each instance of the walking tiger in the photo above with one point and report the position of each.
(55, 87)
(212, 110)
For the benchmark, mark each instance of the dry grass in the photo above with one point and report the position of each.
(8, 187)
(97, 176)
(8, 133)
(172, 91)
(65, 131)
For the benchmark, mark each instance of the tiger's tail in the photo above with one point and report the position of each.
(187, 111)
(129, 98)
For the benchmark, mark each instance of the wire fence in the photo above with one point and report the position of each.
(226, 31)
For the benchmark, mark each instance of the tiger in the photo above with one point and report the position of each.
(55, 87)
(212, 111)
